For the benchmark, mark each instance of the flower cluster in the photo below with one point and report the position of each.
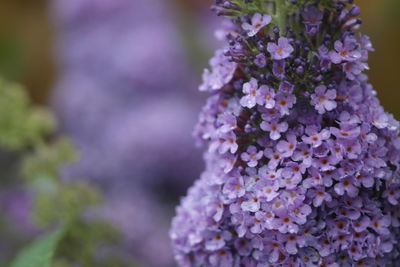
(302, 166)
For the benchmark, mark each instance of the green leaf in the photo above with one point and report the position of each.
(39, 253)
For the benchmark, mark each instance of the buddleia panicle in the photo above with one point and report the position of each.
(302, 161)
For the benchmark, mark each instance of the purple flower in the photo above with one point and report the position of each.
(366, 43)
(346, 132)
(250, 89)
(144, 58)
(243, 247)
(325, 164)
(379, 119)
(284, 103)
(285, 224)
(323, 100)
(261, 60)
(356, 252)
(293, 242)
(286, 87)
(380, 225)
(252, 204)
(252, 178)
(251, 156)
(324, 57)
(320, 196)
(287, 148)
(265, 97)
(346, 51)
(314, 179)
(300, 213)
(227, 162)
(312, 18)
(257, 224)
(258, 21)
(274, 157)
(281, 50)
(273, 249)
(294, 171)
(278, 68)
(221, 74)
(375, 153)
(215, 242)
(346, 186)
(314, 137)
(226, 142)
(227, 122)
(234, 188)
(352, 149)
(392, 194)
(362, 224)
(353, 69)
(303, 154)
(269, 191)
(221, 258)
(274, 128)
(365, 179)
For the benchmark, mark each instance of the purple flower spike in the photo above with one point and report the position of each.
(303, 163)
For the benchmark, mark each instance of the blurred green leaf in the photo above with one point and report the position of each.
(40, 253)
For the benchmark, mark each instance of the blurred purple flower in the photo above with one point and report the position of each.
(122, 96)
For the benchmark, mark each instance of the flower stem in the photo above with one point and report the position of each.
(280, 14)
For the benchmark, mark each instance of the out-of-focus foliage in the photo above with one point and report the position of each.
(21, 125)
(54, 199)
(47, 160)
(39, 253)
(28, 137)
(92, 251)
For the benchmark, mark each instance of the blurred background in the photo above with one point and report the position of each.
(121, 77)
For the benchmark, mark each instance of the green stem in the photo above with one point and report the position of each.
(280, 14)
